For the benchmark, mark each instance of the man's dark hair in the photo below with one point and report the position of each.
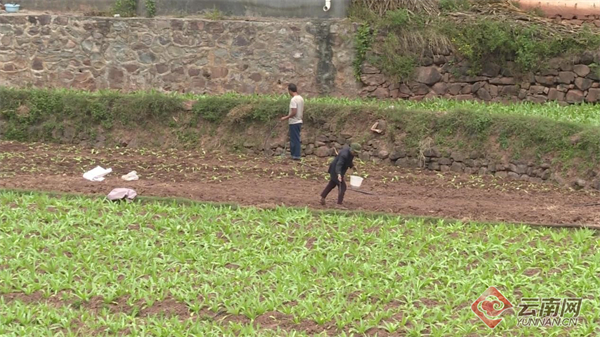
(292, 87)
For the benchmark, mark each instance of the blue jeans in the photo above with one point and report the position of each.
(295, 148)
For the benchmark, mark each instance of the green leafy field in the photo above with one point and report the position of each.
(83, 266)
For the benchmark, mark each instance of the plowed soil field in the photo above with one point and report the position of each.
(268, 182)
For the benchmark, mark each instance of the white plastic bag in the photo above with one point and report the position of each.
(122, 193)
(97, 174)
(130, 176)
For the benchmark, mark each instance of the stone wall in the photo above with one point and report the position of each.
(183, 55)
(567, 81)
(380, 151)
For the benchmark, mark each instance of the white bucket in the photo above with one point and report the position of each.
(355, 181)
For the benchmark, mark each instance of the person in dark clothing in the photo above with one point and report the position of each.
(337, 170)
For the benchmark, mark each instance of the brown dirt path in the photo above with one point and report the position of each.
(269, 182)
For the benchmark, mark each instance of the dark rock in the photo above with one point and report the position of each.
(513, 175)
(529, 78)
(444, 168)
(549, 72)
(566, 65)
(578, 184)
(445, 161)
(457, 167)
(364, 156)
(369, 69)
(419, 88)
(574, 96)
(464, 97)
(594, 75)
(434, 166)
(310, 149)
(466, 89)
(583, 84)
(566, 77)
(427, 75)
(407, 162)
(433, 152)
(546, 174)
(131, 68)
(503, 80)
(383, 154)
(581, 70)
(373, 79)
(545, 80)
(477, 86)
(490, 69)
(457, 156)
(482, 171)
(241, 41)
(323, 151)
(484, 94)
(115, 78)
(454, 89)
(440, 88)
(537, 99)
(587, 58)
(439, 59)
(397, 154)
(404, 89)
(593, 95)
(470, 170)
(427, 61)
(524, 177)
(510, 90)
(536, 90)
(475, 155)
(147, 57)
(256, 77)
(37, 64)
(555, 95)
(381, 93)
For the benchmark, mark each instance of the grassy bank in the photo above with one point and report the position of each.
(168, 269)
(569, 136)
(398, 35)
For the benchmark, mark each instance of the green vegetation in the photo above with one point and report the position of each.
(409, 36)
(125, 8)
(454, 5)
(151, 8)
(363, 41)
(568, 135)
(529, 46)
(168, 269)
(214, 14)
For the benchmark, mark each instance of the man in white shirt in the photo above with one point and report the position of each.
(295, 121)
